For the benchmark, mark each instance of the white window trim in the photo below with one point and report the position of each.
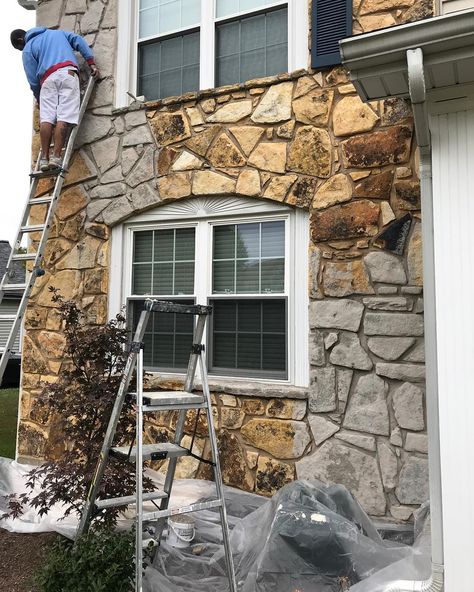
(126, 63)
(202, 211)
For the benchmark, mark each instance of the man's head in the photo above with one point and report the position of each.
(17, 37)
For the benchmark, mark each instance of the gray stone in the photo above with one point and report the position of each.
(105, 153)
(119, 125)
(139, 135)
(336, 314)
(314, 265)
(110, 17)
(337, 463)
(385, 268)
(419, 306)
(394, 303)
(118, 210)
(367, 410)
(330, 340)
(401, 512)
(69, 23)
(396, 437)
(359, 440)
(48, 14)
(411, 290)
(76, 6)
(134, 118)
(143, 197)
(91, 19)
(275, 105)
(316, 349)
(349, 352)
(103, 94)
(344, 381)
(112, 175)
(408, 407)
(395, 324)
(96, 207)
(387, 290)
(389, 348)
(110, 190)
(144, 171)
(93, 128)
(129, 158)
(388, 465)
(413, 483)
(416, 442)
(412, 372)
(322, 393)
(321, 428)
(417, 354)
(106, 39)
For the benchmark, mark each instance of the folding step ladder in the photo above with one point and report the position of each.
(152, 402)
(44, 228)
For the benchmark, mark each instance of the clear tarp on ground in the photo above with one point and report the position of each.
(309, 537)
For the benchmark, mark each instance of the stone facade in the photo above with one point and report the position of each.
(304, 139)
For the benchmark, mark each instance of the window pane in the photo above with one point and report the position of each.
(226, 7)
(256, 45)
(247, 281)
(148, 22)
(184, 278)
(143, 247)
(223, 277)
(273, 275)
(248, 240)
(249, 335)
(273, 239)
(164, 16)
(163, 279)
(224, 242)
(168, 68)
(141, 282)
(164, 245)
(184, 244)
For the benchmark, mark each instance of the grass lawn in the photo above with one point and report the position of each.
(8, 418)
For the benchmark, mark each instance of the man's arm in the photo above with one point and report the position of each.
(31, 67)
(79, 44)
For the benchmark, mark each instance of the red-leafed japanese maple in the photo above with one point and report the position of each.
(80, 403)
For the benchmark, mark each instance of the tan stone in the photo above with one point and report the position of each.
(194, 115)
(169, 127)
(279, 437)
(314, 107)
(253, 406)
(174, 186)
(54, 321)
(248, 183)
(208, 182)
(233, 462)
(67, 282)
(376, 22)
(337, 75)
(376, 186)
(232, 418)
(54, 250)
(370, 6)
(80, 170)
(95, 281)
(35, 318)
(275, 104)
(415, 257)
(97, 312)
(269, 156)
(165, 159)
(304, 85)
(407, 195)
(71, 201)
(343, 278)
(310, 152)
(82, 256)
(32, 358)
(352, 220)
(72, 229)
(252, 458)
(247, 136)
(387, 213)
(208, 105)
(278, 187)
(346, 89)
(358, 175)
(52, 344)
(352, 116)
(186, 162)
(286, 408)
(272, 475)
(379, 148)
(337, 189)
(302, 192)
(200, 142)
(286, 130)
(231, 112)
(224, 153)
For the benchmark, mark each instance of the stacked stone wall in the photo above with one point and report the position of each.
(303, 139)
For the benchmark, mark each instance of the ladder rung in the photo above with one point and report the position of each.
(160, 451)
(43, 174)
(24, 257)
(184, 510)
(37, 201)
(170, 398)
(113, 502)
(173, 307)
(13, 287)
(32, 228)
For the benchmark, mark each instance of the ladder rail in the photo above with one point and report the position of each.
(139, 476)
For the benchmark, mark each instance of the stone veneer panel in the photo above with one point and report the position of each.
(303, 139)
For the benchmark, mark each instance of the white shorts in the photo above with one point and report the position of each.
(60, 97)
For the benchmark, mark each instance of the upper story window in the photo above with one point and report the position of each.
(176, 46)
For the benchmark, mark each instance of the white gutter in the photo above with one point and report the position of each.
(418, 98)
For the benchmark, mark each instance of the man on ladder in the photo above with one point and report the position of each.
(52, 71)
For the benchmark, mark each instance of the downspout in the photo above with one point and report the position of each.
(418, 99)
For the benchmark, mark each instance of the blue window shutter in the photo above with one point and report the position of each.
(331, 22)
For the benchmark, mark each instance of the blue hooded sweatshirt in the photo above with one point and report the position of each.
(48, 50)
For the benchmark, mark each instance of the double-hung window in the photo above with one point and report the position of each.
(250, 268)
(170, 47)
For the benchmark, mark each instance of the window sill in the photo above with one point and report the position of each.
(245, 388)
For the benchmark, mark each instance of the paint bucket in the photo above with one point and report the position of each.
(181, 531)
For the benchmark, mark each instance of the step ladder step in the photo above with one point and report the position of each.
(13, 287)
(32, 228)
(113, 502)
(24, 257)
(160, 451)
(171, 398)
(184, 510)
(37, 201)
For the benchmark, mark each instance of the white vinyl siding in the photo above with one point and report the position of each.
(448, 6)
(8, 309)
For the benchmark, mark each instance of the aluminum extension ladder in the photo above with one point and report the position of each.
(44, 228)
(153, 402)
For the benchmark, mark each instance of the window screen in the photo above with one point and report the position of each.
(252, 47)
(163, 262)
(168, 67)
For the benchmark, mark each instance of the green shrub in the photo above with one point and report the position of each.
(101, 561)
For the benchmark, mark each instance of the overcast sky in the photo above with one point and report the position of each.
(16, 101)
